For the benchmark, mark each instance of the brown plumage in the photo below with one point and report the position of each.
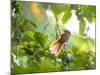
(56, 46)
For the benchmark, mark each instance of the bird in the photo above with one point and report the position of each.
(55, 47)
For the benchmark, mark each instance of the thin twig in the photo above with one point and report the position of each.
(58, 28)
(56, 31)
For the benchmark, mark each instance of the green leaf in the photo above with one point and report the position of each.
(67, 15)
(82, 25)
(77, 64)
(58, 9)
(29, 34)
(40, 38)
(46, 62)
(31, 22)
(89, 12)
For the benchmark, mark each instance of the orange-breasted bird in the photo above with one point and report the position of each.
(56, 46)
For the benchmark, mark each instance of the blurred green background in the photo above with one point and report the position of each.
(34, 28)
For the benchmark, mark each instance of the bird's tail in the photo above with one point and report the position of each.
(55, 47)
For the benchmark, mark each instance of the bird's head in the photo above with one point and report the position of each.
(66, 35)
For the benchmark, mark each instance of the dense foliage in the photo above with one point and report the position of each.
(32, 32)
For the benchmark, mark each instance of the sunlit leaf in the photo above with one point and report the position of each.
(58, 9)
(89, 13)
(67, 15)
(29, 34)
